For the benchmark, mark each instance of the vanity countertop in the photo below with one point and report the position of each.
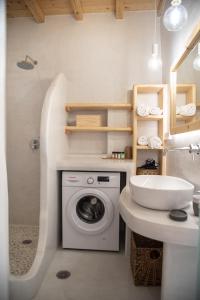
(95, 163)
(156, 224)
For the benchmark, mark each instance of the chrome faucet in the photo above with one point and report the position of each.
(192, 148)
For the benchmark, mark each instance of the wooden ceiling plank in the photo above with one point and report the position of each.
(35, 10)
(77, 9)
(160, 7)
(119, 10)
(16, 8)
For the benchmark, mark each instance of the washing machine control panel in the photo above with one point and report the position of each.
(103, 179)
(98, 179)
(90, 180)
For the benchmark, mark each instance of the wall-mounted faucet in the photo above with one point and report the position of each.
(35, 143)
(192, 148)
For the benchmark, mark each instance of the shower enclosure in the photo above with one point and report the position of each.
(53, 144)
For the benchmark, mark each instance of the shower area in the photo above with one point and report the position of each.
(23, 167)
(35, 138)
(24, 230)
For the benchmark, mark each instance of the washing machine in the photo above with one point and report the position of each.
(90, 210)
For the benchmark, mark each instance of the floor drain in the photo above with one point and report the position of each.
(26, 242)
(63, 274)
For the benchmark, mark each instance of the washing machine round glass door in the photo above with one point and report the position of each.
(90, 211)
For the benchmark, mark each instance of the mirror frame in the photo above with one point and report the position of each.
(193, 40)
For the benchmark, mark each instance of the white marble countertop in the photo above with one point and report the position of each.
(95, 163)
(156, 224)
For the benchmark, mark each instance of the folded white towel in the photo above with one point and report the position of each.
(155, 110)
(154, 142)
(142, 140)
(142, 110)
(188, 110)
(178, 109)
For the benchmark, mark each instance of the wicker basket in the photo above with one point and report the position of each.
(143, 171)
(146, 260)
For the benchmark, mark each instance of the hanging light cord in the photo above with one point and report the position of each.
(155, 23)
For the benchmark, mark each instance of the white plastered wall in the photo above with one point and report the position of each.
(101, 57)
(181, 163)
(4, 264)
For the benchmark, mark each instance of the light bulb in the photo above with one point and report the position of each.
(154, 62)
(175, 16)
(196, 62)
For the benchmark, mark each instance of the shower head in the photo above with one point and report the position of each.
(27, 64)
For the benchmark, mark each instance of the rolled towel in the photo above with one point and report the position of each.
(155, 110)
(142, 110)
(154, 142)
(178, 109)
(142, 140)
(188, 110)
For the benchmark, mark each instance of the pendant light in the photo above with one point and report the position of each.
(196, 62)
(175, 16)
(155, 61)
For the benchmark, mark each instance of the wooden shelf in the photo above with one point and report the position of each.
(97, 129)
(150, 118)
(148, 148)
(159, 93)
(149, 89)
(95, 106)
(185, 88)
(184, 118)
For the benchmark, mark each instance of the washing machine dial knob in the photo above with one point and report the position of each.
(90, 180)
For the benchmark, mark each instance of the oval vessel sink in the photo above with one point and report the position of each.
(161, 192)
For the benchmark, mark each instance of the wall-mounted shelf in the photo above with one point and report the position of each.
(184, 118)
(97, 106)
(138, 89)
(69, 129)
(148, 148)
(150, 118)
(149, 88)
(190, 97)
(157, 89)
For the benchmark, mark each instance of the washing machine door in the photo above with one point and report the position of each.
(90, 211)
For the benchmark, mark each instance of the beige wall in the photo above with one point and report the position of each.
(181, 163)
(101, 57)
(4, 241)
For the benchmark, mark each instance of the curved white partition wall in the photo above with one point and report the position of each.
(53, 144)
(4, 263)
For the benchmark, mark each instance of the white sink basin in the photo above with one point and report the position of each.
(161, 192)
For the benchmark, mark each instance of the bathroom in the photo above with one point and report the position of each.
(92, 59)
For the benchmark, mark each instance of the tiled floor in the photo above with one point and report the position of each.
(22, 254)
(94, 276)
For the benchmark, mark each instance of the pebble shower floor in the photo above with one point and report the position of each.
(22, 248)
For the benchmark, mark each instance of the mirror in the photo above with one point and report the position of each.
(185, 88)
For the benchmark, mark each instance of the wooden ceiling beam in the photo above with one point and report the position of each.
(36, 11)
(77, 9)
(160, 7)
(119, 9)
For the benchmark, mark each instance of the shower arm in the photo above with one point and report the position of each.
(32, 60)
